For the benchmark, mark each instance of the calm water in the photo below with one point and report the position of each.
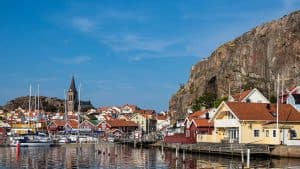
(122, 156)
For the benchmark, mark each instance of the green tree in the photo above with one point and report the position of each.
(219, 101)
(273, 99)
(206, 100)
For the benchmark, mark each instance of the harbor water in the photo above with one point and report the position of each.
(124, 156)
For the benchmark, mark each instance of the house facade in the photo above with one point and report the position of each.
(255, 123)
(250, 96)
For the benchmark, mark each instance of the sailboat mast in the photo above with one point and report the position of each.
(35, 103)
(65, 96)
(79, 107)
(29, 106)
(38, 101)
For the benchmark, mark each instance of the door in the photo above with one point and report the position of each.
(233, 135)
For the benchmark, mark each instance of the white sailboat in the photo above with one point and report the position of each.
(31, 140)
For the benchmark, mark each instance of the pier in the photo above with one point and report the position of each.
(221, 149)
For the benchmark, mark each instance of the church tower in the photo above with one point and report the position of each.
(72, 96)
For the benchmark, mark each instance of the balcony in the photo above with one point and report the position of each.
(226, 123)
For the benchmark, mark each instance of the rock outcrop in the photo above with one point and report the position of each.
(251, 60)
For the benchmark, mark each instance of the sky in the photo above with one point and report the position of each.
(121, 52)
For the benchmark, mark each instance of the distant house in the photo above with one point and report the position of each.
(57, 126)
(294, 100)
(126, 109)
(250, 96)
(124, 126)
(162, 121)
(145, 119)
(255, 123)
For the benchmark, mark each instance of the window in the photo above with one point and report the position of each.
(256, 133)
(267, 133)
(293, 134)
(274, 133)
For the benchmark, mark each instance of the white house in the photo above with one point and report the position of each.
(250, 96)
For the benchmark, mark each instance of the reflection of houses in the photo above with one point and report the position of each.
(251, 96)
(255, 123)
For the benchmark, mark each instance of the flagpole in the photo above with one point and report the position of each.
(277, 107)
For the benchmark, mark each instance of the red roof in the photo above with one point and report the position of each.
(197, 114)
(202, 123)
(121, 123)
(73, 123)
(60, 123)
(264, 111)
(241, 96)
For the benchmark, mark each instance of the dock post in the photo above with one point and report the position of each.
(248, 158)
(134, 143)
(242, 156)
(162, 149)
(176, 151)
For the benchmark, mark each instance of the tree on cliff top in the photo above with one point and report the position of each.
(206, 100)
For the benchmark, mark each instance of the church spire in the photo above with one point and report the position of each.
(72, 85)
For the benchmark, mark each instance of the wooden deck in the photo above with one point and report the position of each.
(222, 148)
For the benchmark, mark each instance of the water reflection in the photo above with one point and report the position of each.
(123, 156)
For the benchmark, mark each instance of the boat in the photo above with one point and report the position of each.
(40, 140)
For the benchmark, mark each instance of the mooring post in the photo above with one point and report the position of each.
(242, 156)
(162, 148)
(176, 151)
(248, 158)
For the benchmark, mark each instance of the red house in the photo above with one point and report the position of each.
(195, 124)
(118, 124)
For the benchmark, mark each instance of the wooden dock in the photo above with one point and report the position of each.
(221, 148)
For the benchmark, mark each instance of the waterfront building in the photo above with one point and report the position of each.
(122, 126)
(145, 119)
(255, 123)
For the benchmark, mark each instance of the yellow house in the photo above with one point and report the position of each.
(256, 123)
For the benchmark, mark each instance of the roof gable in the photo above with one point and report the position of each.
(263, 111)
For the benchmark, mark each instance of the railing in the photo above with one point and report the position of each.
(226, 123)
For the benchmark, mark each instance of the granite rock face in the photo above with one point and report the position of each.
(251, 60)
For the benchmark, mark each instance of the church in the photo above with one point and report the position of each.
(73, 100)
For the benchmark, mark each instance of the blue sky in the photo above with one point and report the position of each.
(135, 52)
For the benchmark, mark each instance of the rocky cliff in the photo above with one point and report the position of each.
(251, 60)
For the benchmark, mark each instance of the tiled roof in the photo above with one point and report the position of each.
(242, 95)
(121, 123)
(197, 114)
(263, 111)
(59, 122)
(202, 123)
(73, 123)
